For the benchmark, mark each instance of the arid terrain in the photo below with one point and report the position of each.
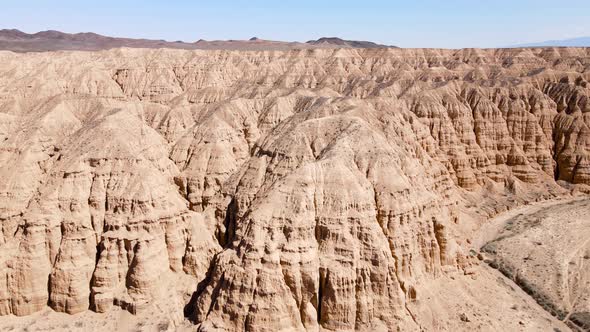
(321, 189)
(547, 253)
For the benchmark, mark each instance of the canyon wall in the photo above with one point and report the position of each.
(296, 190)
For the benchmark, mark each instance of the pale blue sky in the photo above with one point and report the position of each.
(428, 23)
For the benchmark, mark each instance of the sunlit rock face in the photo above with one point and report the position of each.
(294, 190)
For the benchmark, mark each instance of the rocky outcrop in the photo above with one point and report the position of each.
(104, 225)
(300, 190)
(314, 234)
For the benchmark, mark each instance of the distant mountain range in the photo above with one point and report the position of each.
(51, 40)
(574, 42)
(345, 43)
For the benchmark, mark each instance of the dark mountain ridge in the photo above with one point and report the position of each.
(52, 40)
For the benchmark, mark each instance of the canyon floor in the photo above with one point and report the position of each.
(323, 189)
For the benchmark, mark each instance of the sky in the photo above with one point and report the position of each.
(428, 23)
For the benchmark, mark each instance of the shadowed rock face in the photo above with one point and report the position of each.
(299, 190)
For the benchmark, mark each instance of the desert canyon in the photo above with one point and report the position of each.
(314, 189)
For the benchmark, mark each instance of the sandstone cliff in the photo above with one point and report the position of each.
(297, 190)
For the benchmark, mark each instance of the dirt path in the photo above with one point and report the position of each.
(494, 226)
(543, 248)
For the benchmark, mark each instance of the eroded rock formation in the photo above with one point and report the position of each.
(299, 190)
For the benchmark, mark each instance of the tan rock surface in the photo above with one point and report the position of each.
(296, 190)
